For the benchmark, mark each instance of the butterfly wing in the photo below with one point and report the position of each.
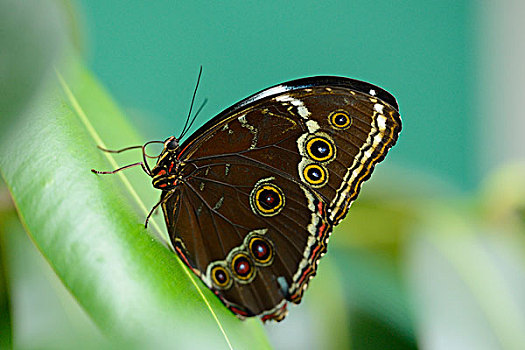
(215, 226)
(264, 182)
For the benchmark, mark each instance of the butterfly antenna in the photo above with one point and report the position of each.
(145, 155)
(191, 105)
(195, 117)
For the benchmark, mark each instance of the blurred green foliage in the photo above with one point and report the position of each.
(416, 264)
(32, 35)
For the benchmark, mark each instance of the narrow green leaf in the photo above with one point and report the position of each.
(44, 314)
(6, 341)
(90, 228)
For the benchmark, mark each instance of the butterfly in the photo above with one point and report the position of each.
(250, 199)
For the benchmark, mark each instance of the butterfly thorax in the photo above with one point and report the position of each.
(166, 173)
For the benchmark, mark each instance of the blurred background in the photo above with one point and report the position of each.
(431, 256)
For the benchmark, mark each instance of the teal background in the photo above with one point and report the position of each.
(148, 55)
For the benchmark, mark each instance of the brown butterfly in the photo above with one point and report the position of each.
(250, 198)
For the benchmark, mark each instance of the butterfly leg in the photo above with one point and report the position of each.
(122, 168)
(143, 164)
(159, 203)
(117, 150)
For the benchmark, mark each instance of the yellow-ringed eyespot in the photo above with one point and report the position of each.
(340, 119)
(320, 149)
(242, 267)
(267, 199)
(315, 175)
(221, 277)
(261, 251)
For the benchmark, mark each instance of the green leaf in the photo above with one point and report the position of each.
(90, 231)
(45, 315)
(6, 337)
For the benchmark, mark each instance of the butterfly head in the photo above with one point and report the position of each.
(171, 144)
(165, 172)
